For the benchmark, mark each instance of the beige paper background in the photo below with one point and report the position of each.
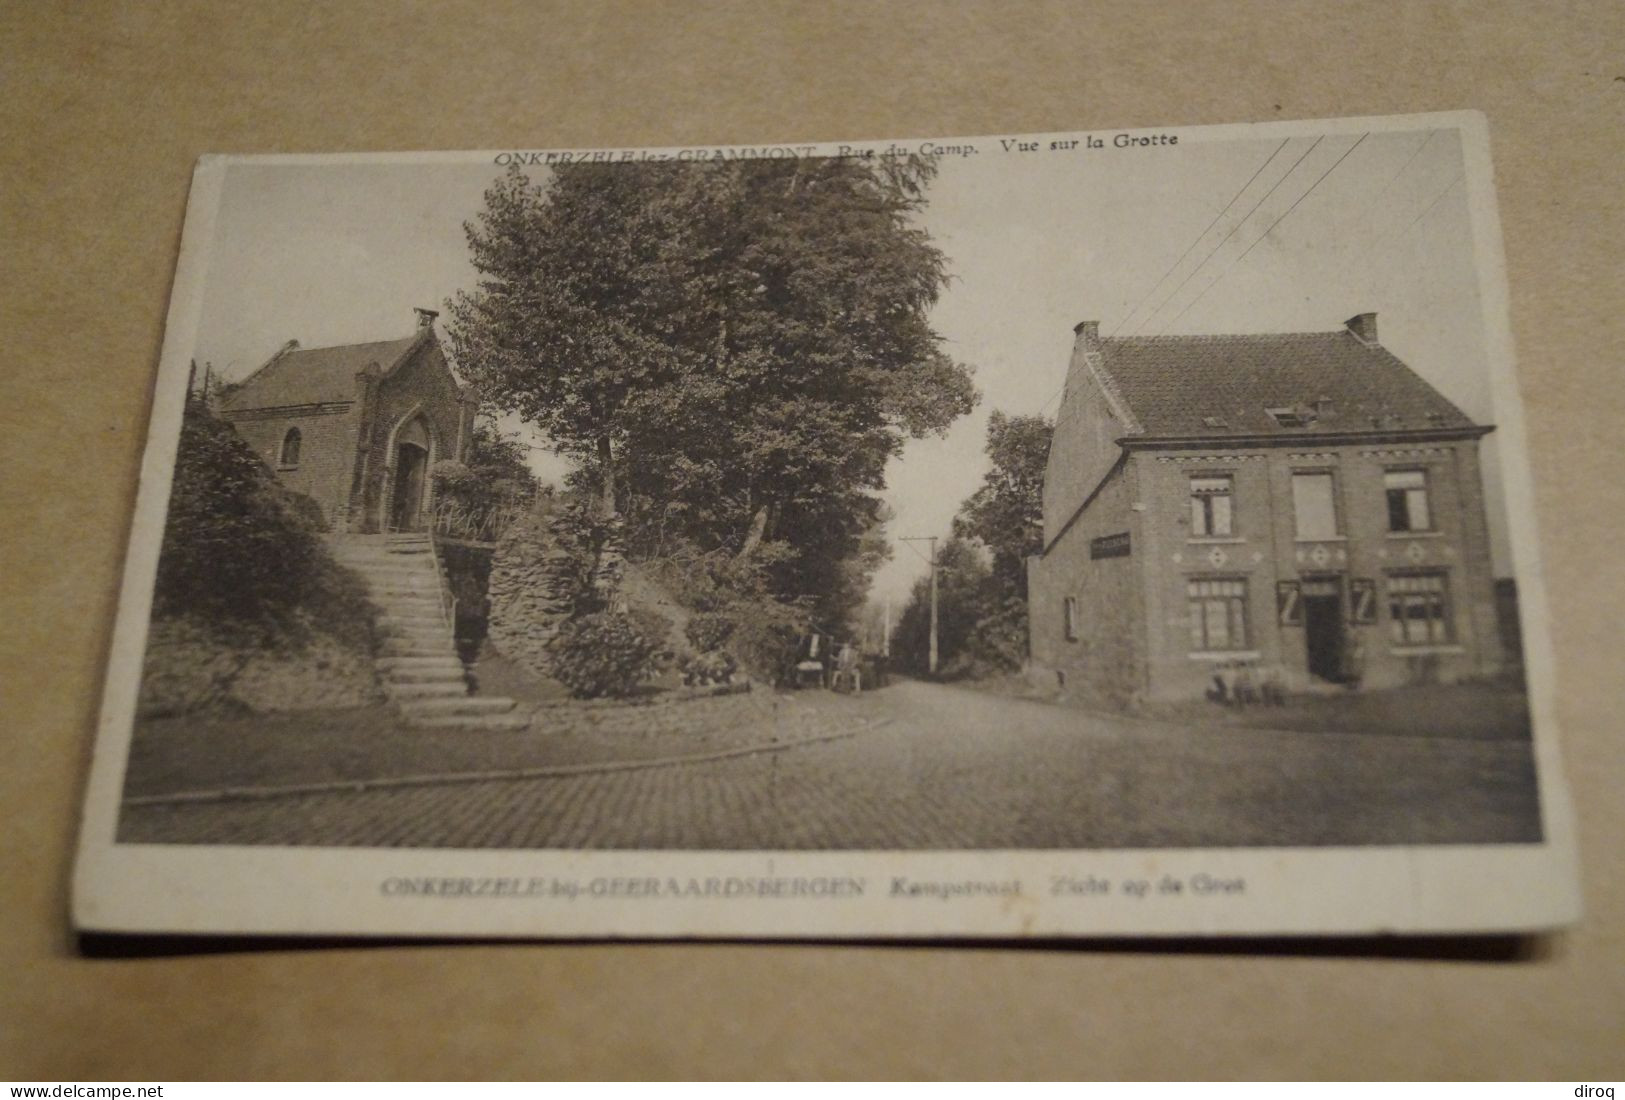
(103, 109)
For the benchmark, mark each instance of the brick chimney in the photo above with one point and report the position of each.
(1088, 336)
(425, 316)
(1364, 327)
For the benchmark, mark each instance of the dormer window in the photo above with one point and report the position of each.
(1293, 416)
(290, 449)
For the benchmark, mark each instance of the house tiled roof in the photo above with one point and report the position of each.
(310, 376)
(1218, 386)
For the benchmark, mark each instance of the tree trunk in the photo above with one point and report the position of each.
(606, 466)
(758, 528)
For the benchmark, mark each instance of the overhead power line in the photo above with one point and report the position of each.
(1414, 154)
(1198, 238)
(1429, 208)
(1260, 238)
(1186, 280)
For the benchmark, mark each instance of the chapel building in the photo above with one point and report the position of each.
(357, 428)
(1302, 504)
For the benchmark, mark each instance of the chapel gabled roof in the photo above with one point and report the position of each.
(313, 376)
(1227, 386)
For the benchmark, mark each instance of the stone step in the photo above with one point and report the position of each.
(513, 720)
(425, 676)
(437, 637)
(424, 595)
(427, 625)
(413, 690)
(416, 634)
(400, 636)
(379, 552)
(384, 664)
(467, 704)
(412, 619)
(413, 647)
(413, 614)
(388, 559)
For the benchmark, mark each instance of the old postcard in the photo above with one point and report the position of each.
(1109, 533)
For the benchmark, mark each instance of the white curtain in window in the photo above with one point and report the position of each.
(1314, 506)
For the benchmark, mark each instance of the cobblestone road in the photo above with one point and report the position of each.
(937, 767)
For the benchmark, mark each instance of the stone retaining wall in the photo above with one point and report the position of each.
(533, 587)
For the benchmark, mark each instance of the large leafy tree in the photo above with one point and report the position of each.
(734, 349)
(1006, 513)
(573, 311)
(982, 592)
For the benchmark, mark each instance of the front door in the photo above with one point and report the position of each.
(1323, 626)
(411, 466)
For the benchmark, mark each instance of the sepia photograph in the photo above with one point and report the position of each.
(1116, 492)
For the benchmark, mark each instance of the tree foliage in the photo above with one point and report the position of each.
(965, 597)
(1006, 513)
(605, 655)
(982, 581)
(479, 498)
(732, 349)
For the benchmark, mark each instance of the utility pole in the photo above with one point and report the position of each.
(932, 539)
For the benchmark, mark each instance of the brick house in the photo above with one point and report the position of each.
(357, 428)
(1302, 503)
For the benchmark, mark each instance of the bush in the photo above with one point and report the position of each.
(715, 667)
(656, 628)
(480, 499)
(603, 654)
(766, 637)
(305, 509)
(243, 553)
(736, 607)
(708, 631)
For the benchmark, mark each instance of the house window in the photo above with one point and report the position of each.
(1419, 608)
(290, 448)
(1407, 500)
(1218, 613)
(1210, 506)
(1314, 503)
(1071, 610)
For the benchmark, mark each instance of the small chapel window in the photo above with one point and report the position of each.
(290, 448)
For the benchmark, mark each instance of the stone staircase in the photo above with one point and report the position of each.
(419, 666)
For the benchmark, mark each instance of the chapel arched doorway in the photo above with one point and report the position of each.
(407, 505)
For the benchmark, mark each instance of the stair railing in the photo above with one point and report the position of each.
(448, 602)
